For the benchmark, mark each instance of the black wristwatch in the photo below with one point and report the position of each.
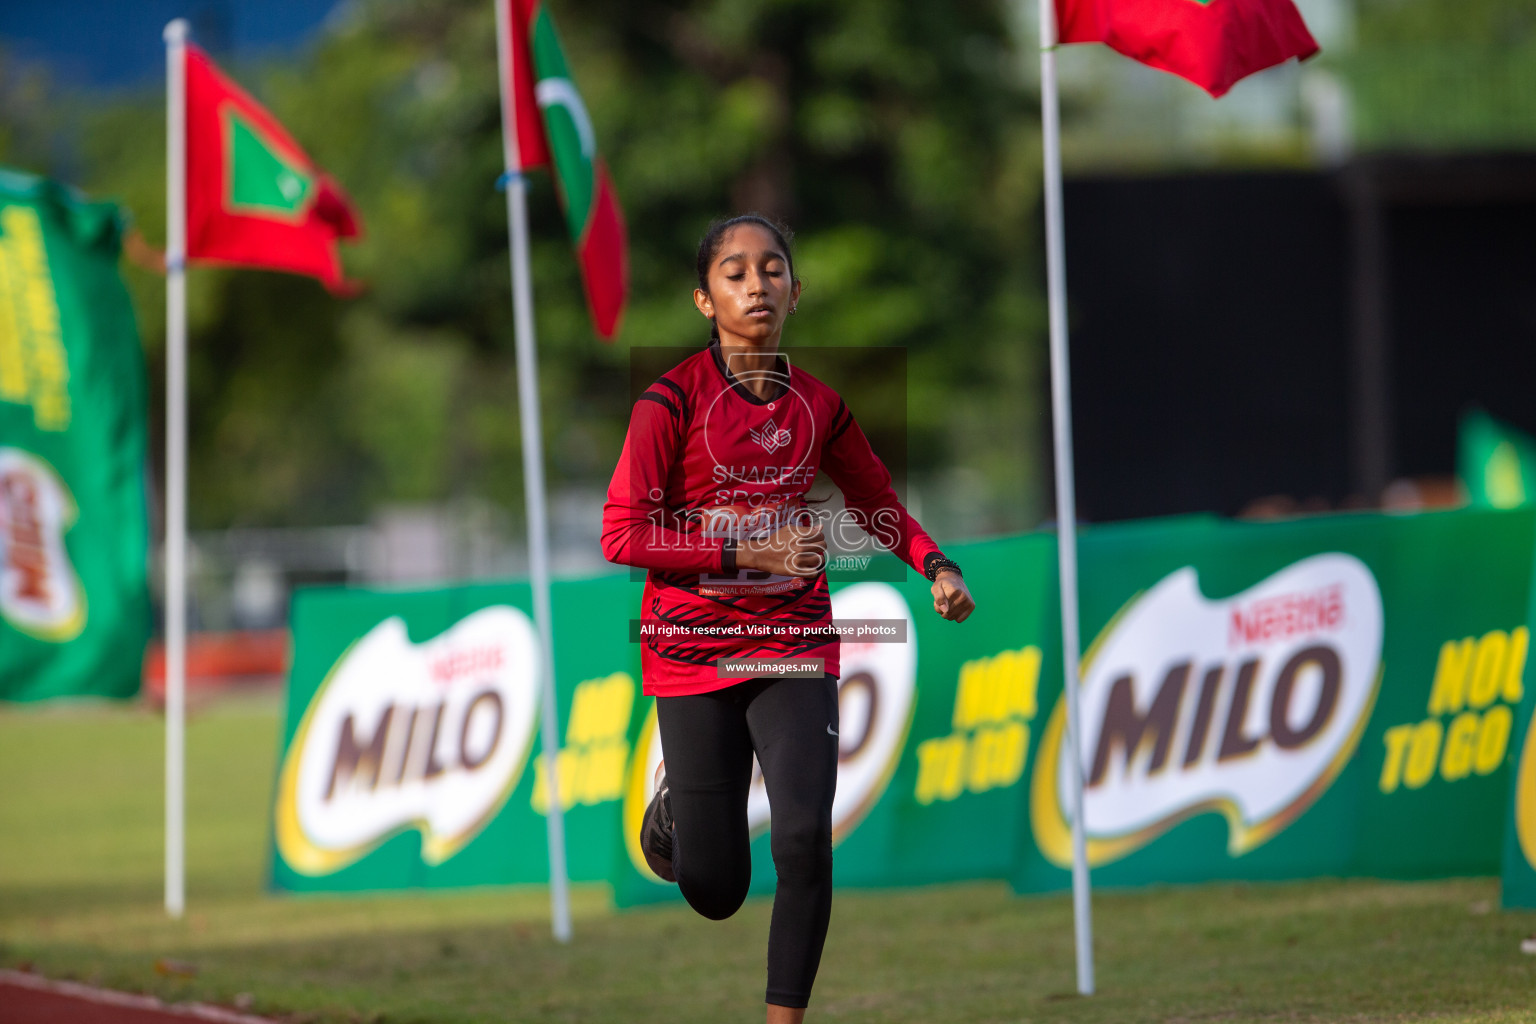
(936, 562)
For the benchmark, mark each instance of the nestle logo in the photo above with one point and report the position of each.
(1287, 615)
(473, 661)
(27, 556)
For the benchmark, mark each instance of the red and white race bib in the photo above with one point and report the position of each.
(746, 522)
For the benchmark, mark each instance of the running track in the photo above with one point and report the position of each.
(30, 999)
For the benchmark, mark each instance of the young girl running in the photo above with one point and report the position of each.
(709, 497)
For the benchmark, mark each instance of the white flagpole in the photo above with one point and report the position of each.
(533, 469)
(175, 464)
(1066, 497)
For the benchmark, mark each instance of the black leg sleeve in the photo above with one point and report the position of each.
(708, 754)
(794, 728)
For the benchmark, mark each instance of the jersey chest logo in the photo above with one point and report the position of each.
(771, 436)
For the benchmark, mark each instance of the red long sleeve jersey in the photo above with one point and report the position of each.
(705, 459)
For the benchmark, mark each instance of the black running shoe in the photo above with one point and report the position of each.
(657, 830)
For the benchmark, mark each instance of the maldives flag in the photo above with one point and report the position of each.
(553, 129)
(253, 197)
(1213, 43)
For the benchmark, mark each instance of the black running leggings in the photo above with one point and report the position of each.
(708, 740)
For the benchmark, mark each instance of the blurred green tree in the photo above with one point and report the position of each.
(1444, 74)
(899, 138)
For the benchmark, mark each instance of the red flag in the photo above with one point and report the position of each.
(254, 198)
(1213, 43)
(553, 129)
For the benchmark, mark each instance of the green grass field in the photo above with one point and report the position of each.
(80, 897)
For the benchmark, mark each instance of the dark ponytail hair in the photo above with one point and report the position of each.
(709, 248)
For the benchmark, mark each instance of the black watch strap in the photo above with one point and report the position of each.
(728, 556)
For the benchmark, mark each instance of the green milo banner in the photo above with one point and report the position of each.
(410, 750)
(1317, 697)
(74, 600)
(1324, 696)
(1519, 889)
